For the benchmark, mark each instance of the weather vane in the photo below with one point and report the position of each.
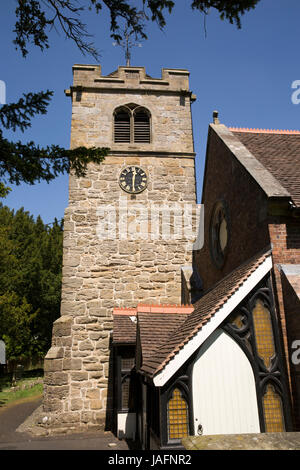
(127, 44)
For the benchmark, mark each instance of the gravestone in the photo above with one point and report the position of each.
(2, 353)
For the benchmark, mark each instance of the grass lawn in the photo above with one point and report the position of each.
(26, 387)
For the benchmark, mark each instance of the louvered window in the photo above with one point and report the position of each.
(122, 126)
(141, 127)
(132, 124)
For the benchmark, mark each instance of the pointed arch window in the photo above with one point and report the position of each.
(178, 422)
(263, 332)
(273, 411)
(132, 124)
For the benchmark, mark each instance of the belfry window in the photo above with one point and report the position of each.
(178, 423)
(132, 124)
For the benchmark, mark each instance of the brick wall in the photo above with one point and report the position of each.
(226, 179)
(251, 229)
(292, 313)
(285, 239)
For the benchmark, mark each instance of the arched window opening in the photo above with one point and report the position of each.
(122, 126)
(273, 412)
(132, 124)
(263, 333)
(177, 416)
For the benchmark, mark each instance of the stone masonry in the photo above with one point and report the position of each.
(100, 273)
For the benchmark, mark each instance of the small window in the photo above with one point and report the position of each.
(126, 379)
(132, 124)
(177, 416)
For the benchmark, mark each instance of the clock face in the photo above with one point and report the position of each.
(133, 179)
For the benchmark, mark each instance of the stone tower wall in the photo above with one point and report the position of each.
(124, 267)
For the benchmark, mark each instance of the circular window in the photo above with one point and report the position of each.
(219, 233)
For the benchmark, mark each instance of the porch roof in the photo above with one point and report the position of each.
(155, 323)
(209, 312)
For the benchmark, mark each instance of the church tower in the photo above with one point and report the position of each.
(125, 230)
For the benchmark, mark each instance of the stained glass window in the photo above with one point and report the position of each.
(263, 333)
(236, 319)
(177, 416)
(273, 413)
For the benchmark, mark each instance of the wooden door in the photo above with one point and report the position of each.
(224, 393)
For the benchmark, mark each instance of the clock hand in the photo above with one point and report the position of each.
(133, 178)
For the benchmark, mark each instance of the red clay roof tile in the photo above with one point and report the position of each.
(204, 310)
(158, 320)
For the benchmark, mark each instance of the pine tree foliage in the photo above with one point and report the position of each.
(30, 282)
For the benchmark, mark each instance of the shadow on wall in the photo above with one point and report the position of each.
(293, 236)
(110, 424)
(292, 313)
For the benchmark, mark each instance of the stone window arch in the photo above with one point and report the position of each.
(132, 124)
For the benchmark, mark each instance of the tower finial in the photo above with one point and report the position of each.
(216, 117)
(127, 43)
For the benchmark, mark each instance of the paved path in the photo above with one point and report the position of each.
(12, 416)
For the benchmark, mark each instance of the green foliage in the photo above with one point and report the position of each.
(232, 10)
(30, 385)
(35, 19)
(30, 282)
(16, 320)
(19, 114)
(4, 190)
(28, 163)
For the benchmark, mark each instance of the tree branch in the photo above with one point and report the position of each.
(18, 114)
(29, 163)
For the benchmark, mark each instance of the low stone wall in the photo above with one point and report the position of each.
(263, 441)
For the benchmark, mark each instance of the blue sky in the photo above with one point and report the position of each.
(245, 74)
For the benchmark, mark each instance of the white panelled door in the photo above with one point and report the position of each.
(224, 394)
